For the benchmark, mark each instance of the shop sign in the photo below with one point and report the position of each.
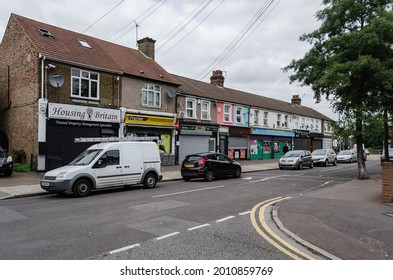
(82, 113)
(302, 133)
(198, 127)
(149, 120)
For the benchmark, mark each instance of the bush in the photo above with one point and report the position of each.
(21, 167)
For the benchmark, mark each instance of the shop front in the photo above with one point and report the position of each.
(316, 141)
(238, 140)
(159, 128)
(196, 138)
(269, 143)
(302, 140)
(66, 122)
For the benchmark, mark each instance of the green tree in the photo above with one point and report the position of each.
(350, 61)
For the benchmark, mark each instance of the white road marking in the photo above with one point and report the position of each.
(225, 219)
(247, 178)
(196, 190)
(124, 248)
(198, 227)
(244, 213)
(167, 235)
(267, 178)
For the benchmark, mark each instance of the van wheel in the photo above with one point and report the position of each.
(209, 176)
(150, 181)
(82, 188)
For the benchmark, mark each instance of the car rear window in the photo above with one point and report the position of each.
(193, 158)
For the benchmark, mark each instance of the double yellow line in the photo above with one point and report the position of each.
(258, 221)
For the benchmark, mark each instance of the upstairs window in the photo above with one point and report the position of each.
(84, 43)
(227, 113)
(278, 120)
(205, 110)
(151, 95)
(286, 120)
(190, 108)
(265, 118)
(239, 115)
(85, 84)
(256, 117)
(45, 33)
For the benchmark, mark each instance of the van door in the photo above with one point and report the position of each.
(108, 170)
(132, 164)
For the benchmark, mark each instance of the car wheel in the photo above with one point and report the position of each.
(238, 173)
(82, 188)
(300, 166)
(312, 165)
(150, 181)
(209, 176)
(351, 161)
(327, 162)
(335, 162)
(186, 178)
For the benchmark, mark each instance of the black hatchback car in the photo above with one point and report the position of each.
(209, 166)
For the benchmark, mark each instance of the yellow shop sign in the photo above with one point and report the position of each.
(149, 120)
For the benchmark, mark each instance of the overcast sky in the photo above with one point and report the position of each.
(195, 37)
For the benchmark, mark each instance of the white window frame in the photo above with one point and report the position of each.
(190, 110)
(227, 116)
(83, 78)
(239, 114)
(151, 95)
(286, 121)
(205, 112)
(265, 118)
(256, 117)
(278, 120)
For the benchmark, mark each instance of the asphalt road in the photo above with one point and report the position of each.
(177, 220)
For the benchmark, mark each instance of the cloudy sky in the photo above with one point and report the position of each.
(250, 40)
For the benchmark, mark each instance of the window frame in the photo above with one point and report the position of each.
(239, 114)
(150, 96)
(278, 120)
(229, 113)
(206, 111)
(256, 117)
(190, 109)
(266, 118)
(81, 80)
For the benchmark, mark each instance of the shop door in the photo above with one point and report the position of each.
(267, 150)
(190, 144)
(260, 149)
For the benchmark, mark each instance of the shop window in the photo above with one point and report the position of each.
(205, 110)
(151, 95)
(190, 108)
(85, 84)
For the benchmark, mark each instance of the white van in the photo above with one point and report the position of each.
(107, 165)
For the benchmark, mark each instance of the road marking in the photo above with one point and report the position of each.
(167, 235)
(124, 249)
(198, 227)
(267, 178)
(190, 191)
(274, 239)
(247, 178)
(225, 219)
(244, 213)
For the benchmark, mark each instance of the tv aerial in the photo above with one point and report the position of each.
(56, 80)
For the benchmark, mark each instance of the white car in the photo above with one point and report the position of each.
(324, 157)
(347, 156)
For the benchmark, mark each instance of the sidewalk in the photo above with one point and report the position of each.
(347, 220)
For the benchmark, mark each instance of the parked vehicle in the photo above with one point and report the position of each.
(107, 165)
(324, 157)
(296, 159)
(209, 166)
(390, 155)
(347, 156)
(6, 163)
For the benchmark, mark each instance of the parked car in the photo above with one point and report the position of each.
(347, 156)
(107, 165)
(390, 155)
(209, 166)
(6, 163)
(324, 157)
(296, 159)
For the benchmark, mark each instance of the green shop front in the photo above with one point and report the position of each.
(269, 143)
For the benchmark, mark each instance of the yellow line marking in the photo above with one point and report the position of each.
(265, 226)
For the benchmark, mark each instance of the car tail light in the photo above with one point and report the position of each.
(202, 161)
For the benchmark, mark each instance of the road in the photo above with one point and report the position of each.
(177, 220)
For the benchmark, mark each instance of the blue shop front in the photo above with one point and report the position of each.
(269, 143)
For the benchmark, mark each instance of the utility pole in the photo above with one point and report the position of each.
(136, 33)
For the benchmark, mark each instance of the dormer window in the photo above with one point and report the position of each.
(84, 43)
(45, 33)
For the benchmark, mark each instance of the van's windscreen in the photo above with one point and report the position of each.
(86, 157)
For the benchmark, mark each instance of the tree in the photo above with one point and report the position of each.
(350, 61)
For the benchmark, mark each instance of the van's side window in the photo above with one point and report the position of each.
(111, 157)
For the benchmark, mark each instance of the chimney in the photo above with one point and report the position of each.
(217, 78)
(146, 46)
(296, 100)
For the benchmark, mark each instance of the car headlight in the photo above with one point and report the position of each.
(9, 159)
(61, 176)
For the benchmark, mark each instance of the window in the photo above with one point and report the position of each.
(45, 33)
(85, 84)
(151, 95)
(265, 118)
(256, 117)
(190, 108)
(278, 120)
(286, 120)
(239, 114)
(227, 113)
(111, 157)
(84, 43)
(205, 110)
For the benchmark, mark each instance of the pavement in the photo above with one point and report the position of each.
(344, 221)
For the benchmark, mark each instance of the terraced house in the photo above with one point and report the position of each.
(58, 85)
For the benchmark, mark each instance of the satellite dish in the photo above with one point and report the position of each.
(171, 93)
(56, 80)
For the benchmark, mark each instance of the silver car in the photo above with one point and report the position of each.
(324, 157)
(347, 156)
(390, 155)
(296, 159)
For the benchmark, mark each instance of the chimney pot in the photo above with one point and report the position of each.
(296, 99)
(217, 78)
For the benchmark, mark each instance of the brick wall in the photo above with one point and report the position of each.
(387, 182)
